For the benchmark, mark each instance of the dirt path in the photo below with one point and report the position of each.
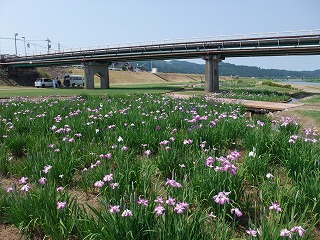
(8, 232)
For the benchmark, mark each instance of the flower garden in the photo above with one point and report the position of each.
(155, 167)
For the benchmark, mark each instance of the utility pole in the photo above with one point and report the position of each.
(15, 42)
(25, 49)
(49, 45)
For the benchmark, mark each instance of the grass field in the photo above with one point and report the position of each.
(131, 163)
(7, 92)
(315, 99)
(313, 114)
(149, 166)
(242, 88)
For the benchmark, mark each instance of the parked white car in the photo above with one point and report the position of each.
(73, 80)
(43, 82)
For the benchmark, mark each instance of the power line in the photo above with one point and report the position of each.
(7, 38)
(51, 46)
(33, 40)
(30, 40)
(18, 39)
(37, 45)
(32, 43)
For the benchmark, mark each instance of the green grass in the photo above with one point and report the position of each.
(242, 88)
(312, 100)
(208, 147)
(257, 94)
(246, 88)
(7, 92)
(313, 114)
(313, 80)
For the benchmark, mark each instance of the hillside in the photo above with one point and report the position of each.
(126, 77)
(192, 72)
(226, 69)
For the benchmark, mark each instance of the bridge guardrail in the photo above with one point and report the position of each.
(204, 38)
(238, 40)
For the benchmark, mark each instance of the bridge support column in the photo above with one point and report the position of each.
(212, 73)
(92, 68)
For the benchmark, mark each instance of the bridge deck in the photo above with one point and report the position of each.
(270, 46)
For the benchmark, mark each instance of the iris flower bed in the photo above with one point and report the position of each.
(253, 94)
(155, 167)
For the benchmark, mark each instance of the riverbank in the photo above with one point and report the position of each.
(308, 114)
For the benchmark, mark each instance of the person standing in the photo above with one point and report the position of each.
(58, 82)
(54, 82)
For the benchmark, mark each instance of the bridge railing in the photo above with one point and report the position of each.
(184, 40)
(199, 39)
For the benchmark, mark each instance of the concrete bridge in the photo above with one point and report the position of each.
(97, 60)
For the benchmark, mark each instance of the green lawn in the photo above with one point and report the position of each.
(7, 92)
(244, 88)
(312, 100)
(313, 114)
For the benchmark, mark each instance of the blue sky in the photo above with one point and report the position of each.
(80, 23)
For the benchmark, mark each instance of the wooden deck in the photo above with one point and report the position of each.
(267, 106)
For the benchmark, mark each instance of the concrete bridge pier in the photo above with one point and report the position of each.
(212, 73)
(92, 68)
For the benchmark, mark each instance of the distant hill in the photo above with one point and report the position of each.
(226, 69)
